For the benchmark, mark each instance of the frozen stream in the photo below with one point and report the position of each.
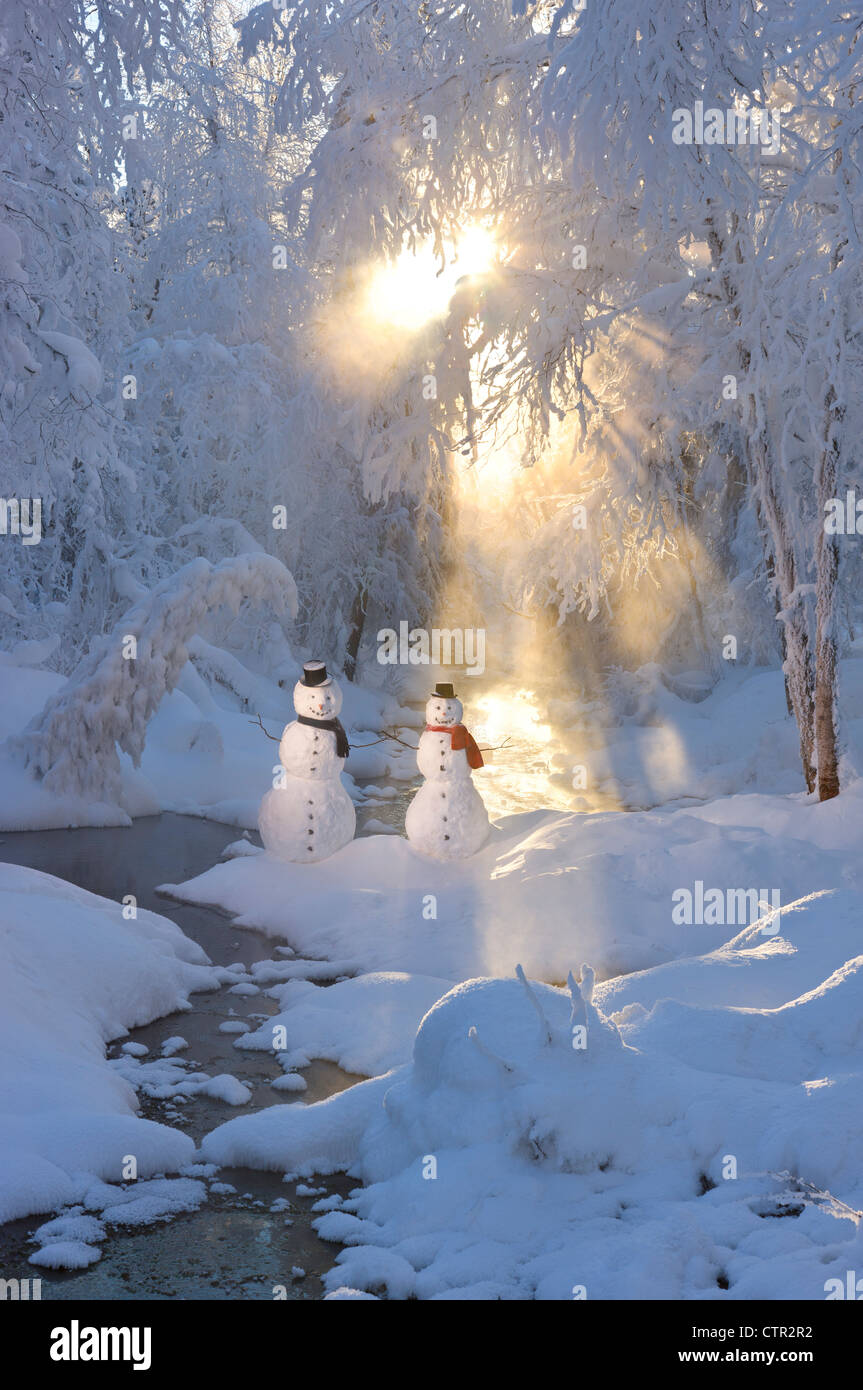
(233, 1246)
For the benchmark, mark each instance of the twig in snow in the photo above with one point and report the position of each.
(819, 1194)
(487, 1052)
(588, 976)
(536, 1004)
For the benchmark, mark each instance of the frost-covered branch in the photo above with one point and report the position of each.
(72, 745)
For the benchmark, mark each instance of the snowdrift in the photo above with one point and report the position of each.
(74, 974)
(621, 1141)
(546, 890)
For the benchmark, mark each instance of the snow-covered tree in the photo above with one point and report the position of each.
(661, 341)
(232, 393)
(72, 745)
(64, 68)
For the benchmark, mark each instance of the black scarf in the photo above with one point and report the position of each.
(343, 748)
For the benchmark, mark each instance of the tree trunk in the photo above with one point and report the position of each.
(827, 560)
(826, 572)
(708, 652)
(357, 622)
(800, 677)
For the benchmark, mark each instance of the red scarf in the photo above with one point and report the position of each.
(459, 738)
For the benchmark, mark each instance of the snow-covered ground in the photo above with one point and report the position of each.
(505, 1159)
(689, 1126)
(549, 890)
(74, 974)
(643, 745)
(700, 1140)
(506, 1154)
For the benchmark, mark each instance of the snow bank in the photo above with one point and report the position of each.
(536, 1148)
(74, 975)
(72, 1240)
(301, 1139)
(547, 888)
(388, 1008)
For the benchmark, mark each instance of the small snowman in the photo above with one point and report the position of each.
(310, 815)
(447, 818)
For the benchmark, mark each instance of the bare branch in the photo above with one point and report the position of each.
(260, 724)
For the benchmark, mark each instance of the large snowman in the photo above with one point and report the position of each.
(447, 818)
(310, 815)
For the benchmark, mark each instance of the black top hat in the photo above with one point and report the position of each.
(315, 673)
(444, 691)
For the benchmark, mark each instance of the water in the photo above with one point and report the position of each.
(518, 775)
(518, 772)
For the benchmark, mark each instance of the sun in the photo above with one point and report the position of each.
(476, 251)
(413, 289)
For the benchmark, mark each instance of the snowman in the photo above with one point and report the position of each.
(447, 818)
(310, 815)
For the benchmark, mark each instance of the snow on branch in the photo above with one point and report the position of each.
(72, 744)
(531, 994)
(219, 667)
(474, 1036)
